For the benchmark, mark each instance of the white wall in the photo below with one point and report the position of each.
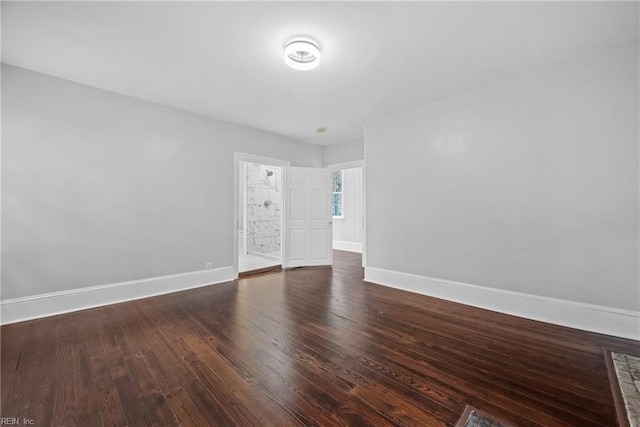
(529, 185)
(349, 227)
(344, 152)
(101, 188)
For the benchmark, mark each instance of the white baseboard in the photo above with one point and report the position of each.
(588, 317)
(43, 305)
(342, 245)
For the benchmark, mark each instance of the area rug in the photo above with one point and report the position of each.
(624, 376)
(471, 417)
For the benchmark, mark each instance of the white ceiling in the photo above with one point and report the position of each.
(224, 60)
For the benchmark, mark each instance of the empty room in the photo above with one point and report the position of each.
(320, 213)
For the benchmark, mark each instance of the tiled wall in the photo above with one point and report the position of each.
(264, 208)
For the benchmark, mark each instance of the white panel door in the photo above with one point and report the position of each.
(308, 218)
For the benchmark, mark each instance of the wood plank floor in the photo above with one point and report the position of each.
(301, 347)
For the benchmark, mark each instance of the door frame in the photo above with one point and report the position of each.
(253, 158)
(350, 165)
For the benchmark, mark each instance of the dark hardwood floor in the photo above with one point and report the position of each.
(301, 347)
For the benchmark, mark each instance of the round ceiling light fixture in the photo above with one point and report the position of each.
(302, 53)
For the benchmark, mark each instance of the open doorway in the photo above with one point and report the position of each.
(349, 207)
(260, 217)
(302, 204)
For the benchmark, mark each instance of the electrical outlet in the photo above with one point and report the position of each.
(208, 266)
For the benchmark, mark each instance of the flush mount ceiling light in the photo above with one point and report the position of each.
(302, 54)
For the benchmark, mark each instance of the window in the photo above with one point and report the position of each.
(337, 194)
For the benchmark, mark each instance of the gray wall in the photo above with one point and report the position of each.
(528, 185)
(343, 152)
(100, 188)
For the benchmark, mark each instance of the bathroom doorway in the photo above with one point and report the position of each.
(260, 217)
